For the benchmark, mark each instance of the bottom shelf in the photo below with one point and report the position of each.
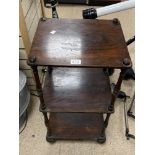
(76, 126)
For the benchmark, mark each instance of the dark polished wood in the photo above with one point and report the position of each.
(77, 90)
(76, 97)
(76, 126)
(40, 93)
(97, 43)
(116, 90)
(38, 85)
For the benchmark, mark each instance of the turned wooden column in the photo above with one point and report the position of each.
(32, 61)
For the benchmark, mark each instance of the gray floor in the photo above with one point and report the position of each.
(32, 140)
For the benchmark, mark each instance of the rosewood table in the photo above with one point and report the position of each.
(76, 90)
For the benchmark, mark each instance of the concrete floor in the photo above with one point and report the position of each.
(32, 139)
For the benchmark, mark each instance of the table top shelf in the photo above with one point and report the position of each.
(79, 43)
(77, 90)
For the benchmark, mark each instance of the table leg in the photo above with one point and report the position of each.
(116, 90)
(114, 95)
(102, 137)
(40, 93)
(107, 120)
(50, 69)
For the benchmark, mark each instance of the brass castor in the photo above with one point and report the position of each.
(101, 140)
(50, 139)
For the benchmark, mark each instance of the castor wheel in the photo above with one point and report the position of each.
(51, 140)
(101, 140)
(108, 71)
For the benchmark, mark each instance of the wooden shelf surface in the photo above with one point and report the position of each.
(76, 125)
(77, 90)
(90, 43)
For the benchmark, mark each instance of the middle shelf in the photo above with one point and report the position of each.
(77, 90)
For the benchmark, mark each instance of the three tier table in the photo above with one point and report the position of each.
(76, 90)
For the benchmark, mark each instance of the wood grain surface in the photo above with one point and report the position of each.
(77, 90)
(97, 43)
(76, 125)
